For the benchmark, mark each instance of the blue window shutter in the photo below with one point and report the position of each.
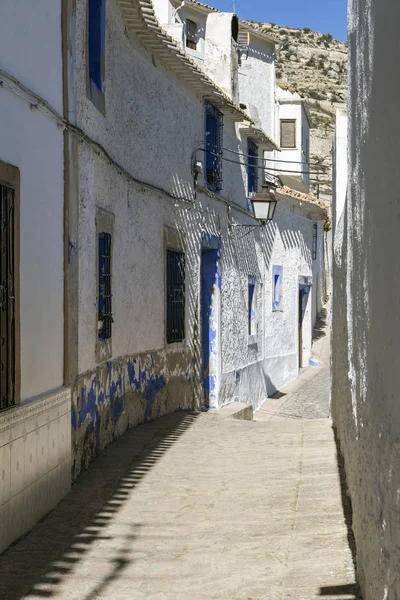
(252, 166)
(277, 279)
(213, 146)
(96, 41)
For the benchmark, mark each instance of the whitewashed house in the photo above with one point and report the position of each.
(144, 281)
(35, 400)
(293, 122)
(183, 301)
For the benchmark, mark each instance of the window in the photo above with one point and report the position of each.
(104, 295)
(8, 264)
(252, 167)
(277, 277)
(175, 296)
(213, 147)
(191, 34)
(244, 45)
(96, 49)
(252, 306)
(288, 133)
(315, 241)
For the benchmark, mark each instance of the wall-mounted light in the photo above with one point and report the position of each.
(264, 204)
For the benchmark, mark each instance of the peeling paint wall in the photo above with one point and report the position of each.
(125, 392)
(153, 126)
(366, 317)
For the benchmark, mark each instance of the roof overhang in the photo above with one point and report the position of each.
(293, 182)
(259, 136)
(247, 25)
(140, 19)
(312, 207)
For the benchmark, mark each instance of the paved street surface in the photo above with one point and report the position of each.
(308, 397)
(196, 507)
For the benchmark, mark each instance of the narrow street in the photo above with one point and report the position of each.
(202, 507)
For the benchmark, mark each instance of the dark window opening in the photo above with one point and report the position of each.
(251, 306)
(252, 167)
(175, 296)
(213, 147)
(7, 298)
(96, 41)
(288, 133)
(105, 296)
(315, 241)
(235, 28)
(191, 34)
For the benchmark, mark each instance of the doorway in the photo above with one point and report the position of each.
(300, 327)
(210, 320)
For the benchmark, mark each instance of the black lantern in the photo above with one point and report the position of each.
(264, 203)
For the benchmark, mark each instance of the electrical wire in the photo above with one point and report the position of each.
(23, 92)
(277, 160)
(268, 170)
(37, 102)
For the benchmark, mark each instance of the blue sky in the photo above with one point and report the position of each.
(325, 16)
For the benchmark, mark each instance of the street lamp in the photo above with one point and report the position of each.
(264, 204)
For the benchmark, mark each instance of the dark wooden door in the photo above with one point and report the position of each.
(7, 298)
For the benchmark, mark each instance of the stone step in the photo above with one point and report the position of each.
(237, 410)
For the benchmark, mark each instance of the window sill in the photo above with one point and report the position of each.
(252, 340)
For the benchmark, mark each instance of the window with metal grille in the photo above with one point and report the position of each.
(7, 297)
(213, 147)
(288, 133)
(252, 167)
(191, 34)
(175, 296)
(105, 296)
(315, 241)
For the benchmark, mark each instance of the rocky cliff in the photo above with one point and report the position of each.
(315, 65)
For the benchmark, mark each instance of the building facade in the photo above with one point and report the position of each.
(366, 325)
(35, 431)
(152, 287)
(205, 304)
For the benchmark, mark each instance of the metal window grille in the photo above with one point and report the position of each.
(105, 296)
(7, 298)
(175, 296)
(191, 34)
(252, 169)
(213, 147)
(315, 241)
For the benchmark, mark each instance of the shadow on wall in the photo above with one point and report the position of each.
(39, 564)
(320, 326)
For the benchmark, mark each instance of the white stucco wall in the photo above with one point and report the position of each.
(366, 318)
(35, 437)
(33, 143)
(339, 166)
(257, 83)
(152, 126)
(291, 107)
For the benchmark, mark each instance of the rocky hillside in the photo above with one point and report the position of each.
(315, 65)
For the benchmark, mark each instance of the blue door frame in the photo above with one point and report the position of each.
(210, 309)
